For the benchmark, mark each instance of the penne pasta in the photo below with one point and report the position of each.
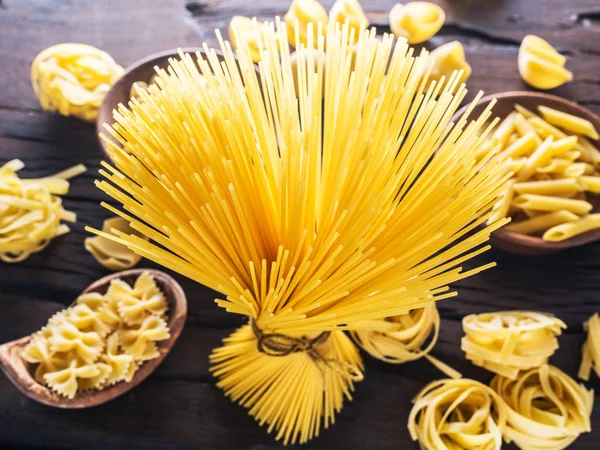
(567, 230)
(520, 147)
(555, 165)
(531, 213)
(590, 150)
(542, 222)
(523, 127)
(540, 156)
(504, 130)
(569, 122)
(550, 187)
(544, 129)
(591, 184)
(578, 169)
(500, 209)
(564, 145)
(525, 112)
(572, 155)
(516, 165)
(548, 203)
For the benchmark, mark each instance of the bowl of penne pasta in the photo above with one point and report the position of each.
(551, 146)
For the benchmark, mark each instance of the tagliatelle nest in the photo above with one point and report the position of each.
(308, 216)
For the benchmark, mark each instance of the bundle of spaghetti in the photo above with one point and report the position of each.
(457, 414)
(507, 342)
(308, 216)
(404, 338)
(31, 210)
(590, 352)
(73, 79)
(546, 408)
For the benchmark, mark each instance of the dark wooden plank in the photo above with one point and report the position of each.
(179, 406)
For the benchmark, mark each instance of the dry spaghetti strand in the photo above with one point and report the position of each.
(311, 200)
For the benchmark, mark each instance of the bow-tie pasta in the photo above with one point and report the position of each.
(90, 345)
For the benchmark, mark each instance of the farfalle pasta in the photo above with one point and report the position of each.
(90, 345)
(546, 408)
(31, 211)
(400, 339)
(457, 414)
(73, 79)
(507, 342)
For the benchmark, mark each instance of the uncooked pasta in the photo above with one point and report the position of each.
(101, 340)
(546, 408)
(73, 79)
(507, 342)
(457, 414)
(590, 352)
(403, 338)
(111, 254)
(31, 211)
(308, 216)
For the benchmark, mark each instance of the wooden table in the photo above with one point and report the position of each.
(179, 405)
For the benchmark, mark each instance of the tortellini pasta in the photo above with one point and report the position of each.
(446, 59)
(300, 14)
(73, 79)
(110, 254)
(90, 345)
(540, 65)
(416, 21)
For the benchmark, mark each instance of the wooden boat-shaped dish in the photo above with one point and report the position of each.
(20, 374)
(517, 242)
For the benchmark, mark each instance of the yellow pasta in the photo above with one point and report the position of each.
(246, 30)
(548, 187)
(308, 216)
(504, 130)
(542, 222)
(110, 254)
(417, 21)
(303, 18)
(540, 65)
(507, 342)
(73, 79)
(591, 184)
(349, 11)
(502, 207)
(575, 228)
(91, 345)
(31, 211)
(549, 203)
(569, 122)
(546, 408)
(539, 157)
(555, 165)
(457, 414)
(448, 58)
(403, 338)
(590, 352)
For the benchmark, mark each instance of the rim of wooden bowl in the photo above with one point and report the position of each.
(521, 243)
(141, 70)
(19, 371)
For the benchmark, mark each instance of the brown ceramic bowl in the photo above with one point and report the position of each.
(20, 374)
(142, 70)
(516, 242)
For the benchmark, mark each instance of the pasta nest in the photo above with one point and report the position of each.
(31, 211)
(546, 408)
(507, 342)
(590, 351)
(457, 413)
(73, 79)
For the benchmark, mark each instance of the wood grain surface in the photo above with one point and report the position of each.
(179, 406)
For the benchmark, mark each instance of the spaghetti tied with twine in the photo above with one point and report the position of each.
(278, 344)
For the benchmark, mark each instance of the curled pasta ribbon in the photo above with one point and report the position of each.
(546, 408)
(540, 65)
(448, 58)
(31, 211)
(416, 21)
(457, 414)
(110, 254)
(404, 338)
(590, 351)
(299, 16)
(73, 79)
(510, 341)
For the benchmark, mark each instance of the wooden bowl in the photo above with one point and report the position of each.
(143, 70)
(521, 243)
(19, 371)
